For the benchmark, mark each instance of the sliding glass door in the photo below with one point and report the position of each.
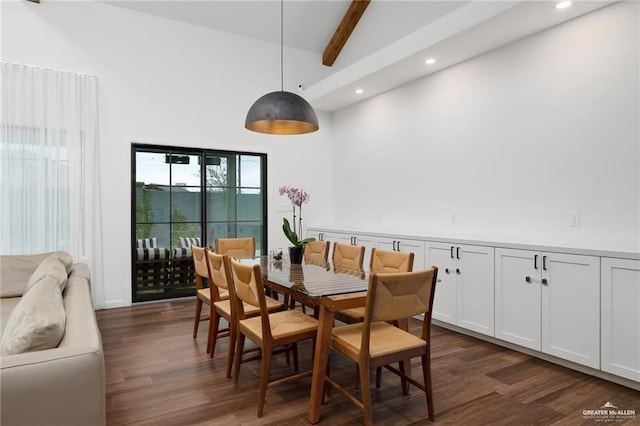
(186, 196)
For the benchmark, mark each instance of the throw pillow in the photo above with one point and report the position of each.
(50, 267)
(38, 320)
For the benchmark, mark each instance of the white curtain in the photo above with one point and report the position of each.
(49, 175)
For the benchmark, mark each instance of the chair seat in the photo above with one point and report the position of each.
(205, 295)
(385, 340)
(249, 310)
(356, 314)
(283, 324)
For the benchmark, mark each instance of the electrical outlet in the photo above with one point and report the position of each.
(574, 219)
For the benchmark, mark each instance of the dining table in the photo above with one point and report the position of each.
(328, 290)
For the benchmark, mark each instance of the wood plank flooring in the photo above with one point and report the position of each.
(157, 374)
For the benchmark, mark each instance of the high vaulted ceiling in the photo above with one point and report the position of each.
(390, 43)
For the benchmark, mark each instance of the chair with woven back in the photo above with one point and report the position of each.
(375, 342)
(220, 273)
(268, 330)
(347, 257)
(240, 248)
(204, 295)
(382, 261)
(316, 252)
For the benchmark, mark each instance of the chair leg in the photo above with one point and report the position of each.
(197, 318)
(238, 358)
(365, 392)
(296, 366)
(403, 381)
(378, 377)
(230, 353)
(428, 389)
(264, 377)
(214, 325)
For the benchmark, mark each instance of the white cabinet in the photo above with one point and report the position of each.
(518, 299)
(464, 293)
(404, 246)
(549, 302)
(620, 312)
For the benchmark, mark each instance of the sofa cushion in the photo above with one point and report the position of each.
(15, 270)
(38, 320)
(50, 267)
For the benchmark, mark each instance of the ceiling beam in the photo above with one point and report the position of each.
(344, 30)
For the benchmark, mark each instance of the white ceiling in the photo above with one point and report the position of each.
(390, 43)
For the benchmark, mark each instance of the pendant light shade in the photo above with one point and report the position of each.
(281, 113)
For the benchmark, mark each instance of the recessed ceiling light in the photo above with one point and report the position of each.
(430, 61)
(359, 91)
(563, 4)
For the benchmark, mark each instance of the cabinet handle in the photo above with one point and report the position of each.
(535, 261)
(321, 236)
(458, 271)
(544, 263)
(457, 252)
(394, 245)
(545, 282)
(527, 279)
(446, 270)
(398, 245)
(452, 253)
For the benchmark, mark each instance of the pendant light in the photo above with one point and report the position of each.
(281, 113)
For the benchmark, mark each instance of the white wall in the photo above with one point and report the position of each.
(510, 142)
(165, 82)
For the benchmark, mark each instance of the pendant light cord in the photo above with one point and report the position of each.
(281, 45)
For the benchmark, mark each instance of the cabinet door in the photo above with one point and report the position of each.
(444, 303)
(405, 246)
(621, 317)
(475, 281)
(571, 308)
(518, 300)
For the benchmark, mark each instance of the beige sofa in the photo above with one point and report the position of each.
(64, 385)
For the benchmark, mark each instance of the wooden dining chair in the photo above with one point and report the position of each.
(382, 261)
(346, 256)
(375, 343)
(241, 248)
(204, 295)
(268, 330)
(220, 273)
(316, 252)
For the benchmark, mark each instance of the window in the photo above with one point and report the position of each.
(182, 196)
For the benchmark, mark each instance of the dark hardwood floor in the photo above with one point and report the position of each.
(157, 374)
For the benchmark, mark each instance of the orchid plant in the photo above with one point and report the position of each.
(297, 197)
